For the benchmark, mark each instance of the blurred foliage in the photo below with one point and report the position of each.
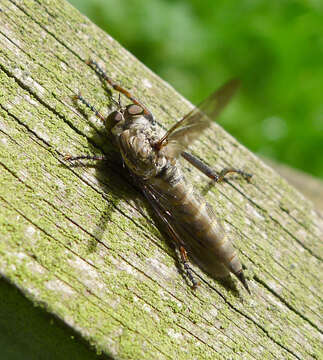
(274, 47)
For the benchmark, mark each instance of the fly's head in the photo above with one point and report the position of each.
(126, 117)
(135, 135)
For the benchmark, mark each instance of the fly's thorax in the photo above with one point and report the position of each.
(138, 153)
(135, 135)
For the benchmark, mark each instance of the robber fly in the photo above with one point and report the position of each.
(153, 162)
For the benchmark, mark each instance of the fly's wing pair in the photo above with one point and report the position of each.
(187, 130)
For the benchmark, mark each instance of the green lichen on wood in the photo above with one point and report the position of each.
(79, 241)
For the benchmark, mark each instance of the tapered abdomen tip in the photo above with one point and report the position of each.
(243, 280)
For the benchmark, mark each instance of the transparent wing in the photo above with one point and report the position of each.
(163, 215)
(187, 130)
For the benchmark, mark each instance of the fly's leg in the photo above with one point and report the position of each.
(217, 177)
(88, 105)
(187, 267)
(86, 157)
(118, 88)
(100, 116)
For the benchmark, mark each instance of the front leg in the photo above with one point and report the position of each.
(217, 177)
(87, 157)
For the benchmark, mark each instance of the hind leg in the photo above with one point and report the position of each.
(217, 177)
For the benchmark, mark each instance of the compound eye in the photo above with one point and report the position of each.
(115, 116)
(135, 109)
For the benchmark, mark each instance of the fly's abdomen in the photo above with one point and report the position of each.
(203, 234)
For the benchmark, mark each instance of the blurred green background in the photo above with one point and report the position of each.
(274, 47)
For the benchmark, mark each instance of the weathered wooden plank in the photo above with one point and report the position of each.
(309, 186)
(80, 240)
